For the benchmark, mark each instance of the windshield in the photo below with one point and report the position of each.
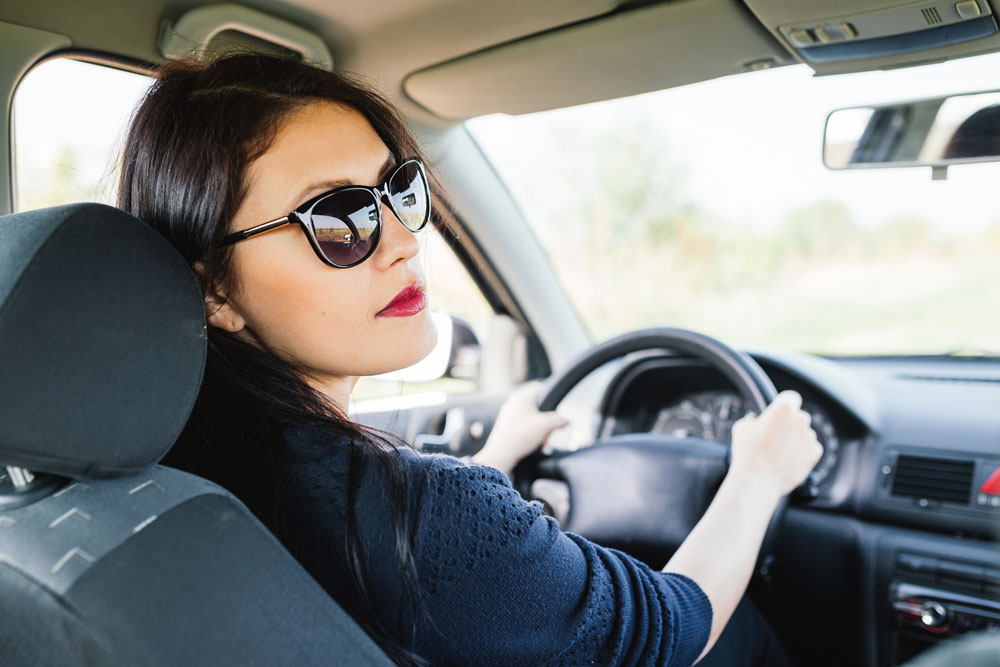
(708, 207)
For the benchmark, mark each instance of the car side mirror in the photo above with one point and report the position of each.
(463, 361)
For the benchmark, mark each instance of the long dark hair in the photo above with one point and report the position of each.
(184, 163)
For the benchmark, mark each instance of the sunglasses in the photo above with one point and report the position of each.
(344, 225)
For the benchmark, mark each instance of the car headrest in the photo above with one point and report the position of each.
(102, 342)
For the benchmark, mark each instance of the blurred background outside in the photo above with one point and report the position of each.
(708, 207)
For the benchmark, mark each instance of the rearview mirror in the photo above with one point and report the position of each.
(934, 132)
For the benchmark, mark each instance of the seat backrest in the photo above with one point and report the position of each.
(105, 557)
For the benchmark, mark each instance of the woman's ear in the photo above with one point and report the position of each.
(222, 315)
(219, 311)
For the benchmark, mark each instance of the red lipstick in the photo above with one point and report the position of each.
(410, 301)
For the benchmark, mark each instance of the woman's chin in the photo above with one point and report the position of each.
(429, 339)
(415, 347)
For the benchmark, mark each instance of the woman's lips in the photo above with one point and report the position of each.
(410, 301)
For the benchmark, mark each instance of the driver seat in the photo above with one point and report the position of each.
(105, 557)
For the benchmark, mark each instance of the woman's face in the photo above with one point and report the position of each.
(326, 319)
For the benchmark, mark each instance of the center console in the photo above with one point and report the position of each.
(934, 588)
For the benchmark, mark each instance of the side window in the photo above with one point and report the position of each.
(69, 117)
(463, 317)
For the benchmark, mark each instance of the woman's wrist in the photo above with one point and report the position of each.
(750, 485)
(494, 459)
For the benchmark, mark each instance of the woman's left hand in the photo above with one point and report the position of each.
(520, 428)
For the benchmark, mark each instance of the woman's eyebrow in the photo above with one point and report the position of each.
(389, 163)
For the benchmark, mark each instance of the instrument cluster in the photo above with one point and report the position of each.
(710, 415)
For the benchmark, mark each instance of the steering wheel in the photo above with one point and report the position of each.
(646, 491)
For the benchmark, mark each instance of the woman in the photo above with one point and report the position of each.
(292, 192)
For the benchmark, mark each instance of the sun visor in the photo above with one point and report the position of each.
(102, 342)
(624, 53)
(833, 38)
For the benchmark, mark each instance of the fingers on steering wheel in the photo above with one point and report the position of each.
(788, 399)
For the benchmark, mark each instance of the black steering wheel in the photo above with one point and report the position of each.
(645, 491)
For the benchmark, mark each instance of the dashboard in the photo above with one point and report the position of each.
(902, 513)
(686, 398)
(907, 441)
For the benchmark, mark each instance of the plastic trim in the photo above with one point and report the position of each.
(895, 45)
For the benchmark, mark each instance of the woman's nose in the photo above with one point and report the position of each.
(397, 242)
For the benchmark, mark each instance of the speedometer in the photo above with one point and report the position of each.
(827, 436)
(726, 409)
(710, 415)
(688, 419)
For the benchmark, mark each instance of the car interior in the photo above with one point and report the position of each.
(887, 554)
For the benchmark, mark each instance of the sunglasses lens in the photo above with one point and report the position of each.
(409, 196)
(345, 224)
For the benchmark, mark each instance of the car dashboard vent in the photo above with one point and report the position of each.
(943, 480)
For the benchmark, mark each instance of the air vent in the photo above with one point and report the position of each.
(943, 480)
(931, 15)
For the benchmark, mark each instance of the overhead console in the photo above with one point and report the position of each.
(878, 34)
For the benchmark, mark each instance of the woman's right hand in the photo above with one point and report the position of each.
(771, 455)
(777, 447)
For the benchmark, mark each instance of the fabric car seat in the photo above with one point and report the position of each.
(105, 557)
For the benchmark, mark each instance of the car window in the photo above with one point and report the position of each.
(708, 207)
(68, 118)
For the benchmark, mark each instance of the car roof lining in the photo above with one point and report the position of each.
(448, 42)
(384, 45)
(446, 60)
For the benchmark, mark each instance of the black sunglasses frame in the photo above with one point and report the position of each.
(379, 192)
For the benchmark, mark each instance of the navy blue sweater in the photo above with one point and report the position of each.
(501, 584)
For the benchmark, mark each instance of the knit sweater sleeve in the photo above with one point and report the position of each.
(503, 585)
